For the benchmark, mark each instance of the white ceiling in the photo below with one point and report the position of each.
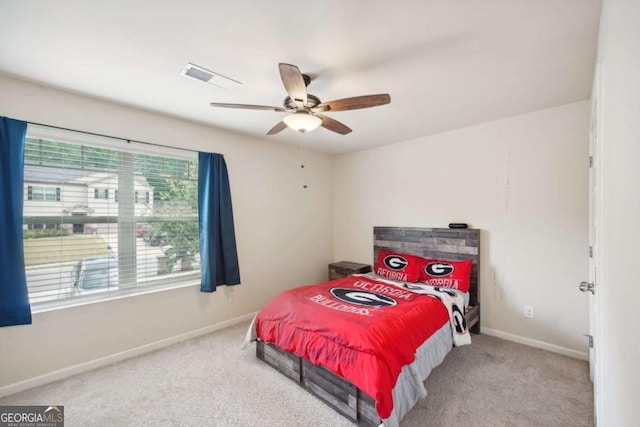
(447, 64)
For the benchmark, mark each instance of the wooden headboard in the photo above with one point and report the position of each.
(439, 243)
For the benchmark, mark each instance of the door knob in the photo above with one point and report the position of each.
(587, 287)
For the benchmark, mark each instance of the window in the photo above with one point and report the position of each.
(101, 193)
(81, 244)
(43, 226)
(38, 192)
(147, 197)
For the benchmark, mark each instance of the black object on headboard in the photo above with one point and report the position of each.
(439, 243)
(458, 225)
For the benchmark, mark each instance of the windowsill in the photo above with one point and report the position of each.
(115, 295)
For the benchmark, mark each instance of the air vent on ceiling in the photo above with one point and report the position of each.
(204, 75)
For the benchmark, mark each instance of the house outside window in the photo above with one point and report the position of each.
(79, 244)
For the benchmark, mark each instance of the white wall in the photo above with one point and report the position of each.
(283, 235)
(617, 282)
(523, 181)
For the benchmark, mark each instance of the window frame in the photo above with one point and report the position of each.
(100, 193)
(45, 133)
(43, 193)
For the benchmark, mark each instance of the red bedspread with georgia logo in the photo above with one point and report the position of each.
(361, 329)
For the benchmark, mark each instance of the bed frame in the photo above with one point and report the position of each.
(340, 394)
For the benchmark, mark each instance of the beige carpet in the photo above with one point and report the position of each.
(209, 381)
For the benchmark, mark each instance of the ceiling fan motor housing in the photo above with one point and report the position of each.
(312, 101)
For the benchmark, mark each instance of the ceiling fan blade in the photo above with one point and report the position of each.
(248, 107)
(294, 83)
(277, 128)
(333, 125)
(354, 103)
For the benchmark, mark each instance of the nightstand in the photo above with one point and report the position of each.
(346, 268)
(472, 316)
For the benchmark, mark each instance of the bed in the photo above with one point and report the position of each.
(316, 367)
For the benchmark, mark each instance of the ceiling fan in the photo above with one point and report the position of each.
(305, 109)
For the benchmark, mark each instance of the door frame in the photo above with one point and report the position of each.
(595, 229)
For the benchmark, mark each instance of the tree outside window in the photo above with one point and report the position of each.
(182, 238)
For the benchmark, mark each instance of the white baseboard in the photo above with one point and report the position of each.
(537, 344)
(117, 357)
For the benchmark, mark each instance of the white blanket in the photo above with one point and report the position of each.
(452, 300)
(455, 305)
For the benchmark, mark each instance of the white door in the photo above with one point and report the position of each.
(591, 285)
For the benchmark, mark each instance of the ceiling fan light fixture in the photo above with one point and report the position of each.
(302, 121)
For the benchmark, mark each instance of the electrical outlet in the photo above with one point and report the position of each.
(528, 311)
(231, 296)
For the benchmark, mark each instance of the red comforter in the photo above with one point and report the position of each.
(361, 329)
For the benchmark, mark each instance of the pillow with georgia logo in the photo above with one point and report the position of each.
(446, 273)
(397, 266)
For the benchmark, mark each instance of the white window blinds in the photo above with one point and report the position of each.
(100, 220)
